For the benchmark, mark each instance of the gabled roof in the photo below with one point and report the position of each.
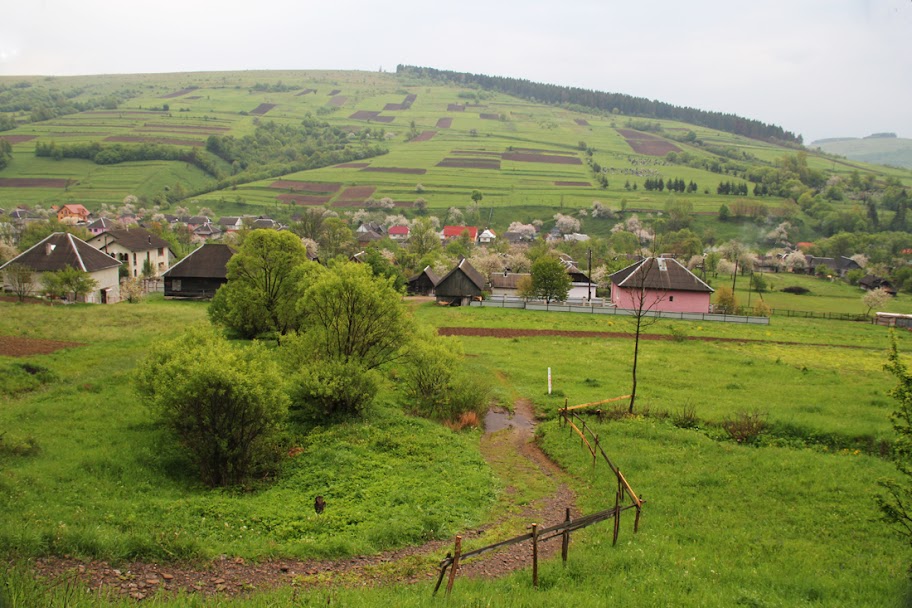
(649, 274)
(508, 280)
(426, 272)
(22, 214)
(455, 231)
(476, 277)
(134, 239)
(208, 261)
(60, 250)
(398, 230)
(101, 223)
(74, 208)
(229, 221)
(265, 222)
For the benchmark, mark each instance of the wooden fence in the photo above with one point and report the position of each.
(571, 419)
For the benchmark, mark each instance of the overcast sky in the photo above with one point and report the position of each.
(822, 68)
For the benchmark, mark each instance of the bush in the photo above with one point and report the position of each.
(745, 427)
(330, 390)
(796, 289)
(225, 404)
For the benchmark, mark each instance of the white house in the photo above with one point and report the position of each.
(134, 247)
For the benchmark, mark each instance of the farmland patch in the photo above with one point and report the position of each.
(338, 100)
(303, 199)
(262, 108)
(33, 182)
(356, 194)
(425, 136)
(455, 107)
(574, 184)
(173, 126)
(305, 92)
(470, 163)
(405, 105)
(351, 166)
(542, 158)
(384, 118)
(335, 92)
(130, 139)
(18, 139)
(541, 151)
(288, 184)
(178, 93)
(15, 346)
(444, 123)
(364, 115)
(645, 143)
(405, 170)
(489, 116)
(124, 112)
(477, 153)
(581, 122)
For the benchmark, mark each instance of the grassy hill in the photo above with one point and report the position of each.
(527, 159)
(894, 151)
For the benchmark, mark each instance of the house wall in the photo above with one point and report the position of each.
(108, 279)
(670, 301)
(134, 260)
(457, 284)
(191, 287)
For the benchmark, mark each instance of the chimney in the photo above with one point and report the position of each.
(49, 248)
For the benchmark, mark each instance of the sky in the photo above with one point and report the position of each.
(819, 68)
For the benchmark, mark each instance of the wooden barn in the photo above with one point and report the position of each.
(460, 286)
(423, 284)
(199, 274)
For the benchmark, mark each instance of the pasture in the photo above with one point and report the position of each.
(787, 520)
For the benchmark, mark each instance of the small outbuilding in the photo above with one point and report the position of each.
(200, 274)
(460, 286)
(423, 284)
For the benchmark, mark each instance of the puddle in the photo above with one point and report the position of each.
(498, 419)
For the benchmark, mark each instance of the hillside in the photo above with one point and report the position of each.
(893, 151)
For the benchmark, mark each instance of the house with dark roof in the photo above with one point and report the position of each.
(871, 282)
(199, 274)
(231, 223)
(460, 286)
(840, 265)
(423, 283)
(134, 247)
(100, 225)
(62, 250)
(660, 284)
(205, 232)
(507, 283)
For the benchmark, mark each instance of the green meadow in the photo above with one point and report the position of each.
(788, 520)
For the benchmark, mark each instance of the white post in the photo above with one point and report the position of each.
(549, 380)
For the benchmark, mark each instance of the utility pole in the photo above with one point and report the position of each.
(589, 296)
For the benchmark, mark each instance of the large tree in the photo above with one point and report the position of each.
(550, 280)
(265, 279)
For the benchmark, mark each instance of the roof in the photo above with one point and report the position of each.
(208, 261)
(101, 223)
(467, 269)
(455, 231)
(508, 280)
(134, 239)
(488, 233)
(60, 250)
(398, 230)
(75, 208)
(426, 272)
(229, 221)
(648, 273)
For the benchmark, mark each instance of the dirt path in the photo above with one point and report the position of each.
(507, 436)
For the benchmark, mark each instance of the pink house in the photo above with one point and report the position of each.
(660, 284)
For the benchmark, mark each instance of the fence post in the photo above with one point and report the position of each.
(535, 555)
(565, 541)
(455, 565)
(617, 512)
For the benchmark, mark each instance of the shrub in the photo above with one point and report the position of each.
(225, 404)
(332, 389)
(798, 290)
(687, 418)
(762, 309)
(745, 427)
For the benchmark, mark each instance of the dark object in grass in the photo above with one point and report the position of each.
(798, 290)
(745, 427)
(319, 505)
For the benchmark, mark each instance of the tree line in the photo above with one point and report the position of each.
(608, 102)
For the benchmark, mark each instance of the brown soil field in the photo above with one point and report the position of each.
(410, 99)
(197, 127)
(455, 107)
(488, 116)
(193, 97)
(470, 163)
(364, 115)
(404, 170)
(444, 123)
(18, 139)
(33, 182)
(542, 158)
(305, 92)
(392, 107)
(262, 108)
(303, 199)
(644, 143)
(357, 193)
(425, 136)
(351, 166)
(178, 93)
(338, 100)
(477, 153)
(334, 92)
(14, 346)
(286, 184)
(581, 122)
(574, 184)
(130, 139)
(385, 119)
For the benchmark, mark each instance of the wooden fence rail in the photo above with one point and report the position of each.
(562, 530)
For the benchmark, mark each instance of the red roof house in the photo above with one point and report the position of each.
(452, 232)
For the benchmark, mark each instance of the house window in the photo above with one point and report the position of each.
(671, 298)
(161, 251)
(175, 285)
